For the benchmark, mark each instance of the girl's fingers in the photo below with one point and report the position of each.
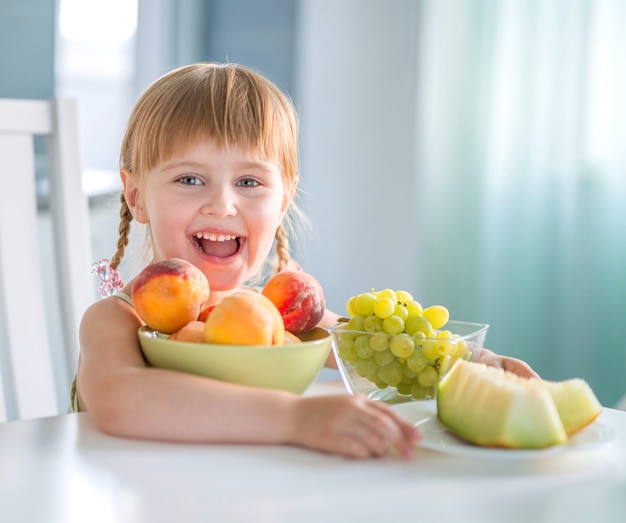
(355, 427)
(382, 429)
(409, 430)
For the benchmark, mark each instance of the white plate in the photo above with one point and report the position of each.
(435, 436)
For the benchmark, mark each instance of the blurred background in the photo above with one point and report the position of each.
(468, 151)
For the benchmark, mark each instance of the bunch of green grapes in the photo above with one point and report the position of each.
(392, 341)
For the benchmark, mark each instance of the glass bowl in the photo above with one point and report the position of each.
(399, 368)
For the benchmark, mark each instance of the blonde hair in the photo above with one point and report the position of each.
(229, 103)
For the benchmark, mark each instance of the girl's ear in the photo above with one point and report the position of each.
(133, 196)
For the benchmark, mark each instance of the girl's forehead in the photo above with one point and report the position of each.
(208, 147)
(213, 145)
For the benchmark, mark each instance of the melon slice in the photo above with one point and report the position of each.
(575, 401)
(492, 407)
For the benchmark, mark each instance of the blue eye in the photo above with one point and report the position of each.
(247, 182)
(190, 180)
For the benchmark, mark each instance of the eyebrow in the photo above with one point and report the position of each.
(181, 163)
(175, 164)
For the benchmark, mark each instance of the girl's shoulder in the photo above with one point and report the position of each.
(108, 319)
(114, 307)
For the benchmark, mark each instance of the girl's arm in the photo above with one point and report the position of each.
(126, 398)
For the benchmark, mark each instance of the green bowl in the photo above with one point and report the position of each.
(292, 367)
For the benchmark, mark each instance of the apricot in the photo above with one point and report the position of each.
(169, 294)
(192, 331)
(246, 317)
(299, 298)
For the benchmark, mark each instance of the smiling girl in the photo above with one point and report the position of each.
(209, 166)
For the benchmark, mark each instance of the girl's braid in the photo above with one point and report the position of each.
(282, 248)
(124, 231)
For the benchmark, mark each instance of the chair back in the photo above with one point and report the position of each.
(45, 256)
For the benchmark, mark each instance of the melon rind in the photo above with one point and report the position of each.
(492, 407)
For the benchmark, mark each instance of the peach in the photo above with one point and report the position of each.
(290, 339)
(169, 294)
(299, 298)
(246, 317)
(193, 332)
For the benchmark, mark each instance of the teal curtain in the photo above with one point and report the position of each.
(521, 162)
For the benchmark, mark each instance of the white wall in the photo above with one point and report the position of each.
(356, 86)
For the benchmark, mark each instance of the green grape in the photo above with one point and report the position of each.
(419, 338)
(379, 341)
(430, 349)
(428, 376)
(345, 339)
(364, 304)
(384, 357)
(351, 306)
(414, 308)
(372, 323)
(437, 315)
(346, 336)
(366, 368)
(362, 346)
(400, 311)
(383, 307)
(409, 374)
(461, 348)
(445, 364)
(419, 393)
(356, 323)
(444, 343)
(404, 389)
(387, 293)
(347, 353)
(416, 361)
(402, 345)
(403, 297)
(415, 324)
(393, 325)
(391, 373)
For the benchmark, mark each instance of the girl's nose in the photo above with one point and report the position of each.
(220, 202)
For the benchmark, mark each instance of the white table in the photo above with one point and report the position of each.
(63, 470)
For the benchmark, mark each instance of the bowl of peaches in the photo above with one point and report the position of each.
(392, 349)
(265, 338)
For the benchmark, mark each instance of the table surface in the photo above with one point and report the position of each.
(62, 469)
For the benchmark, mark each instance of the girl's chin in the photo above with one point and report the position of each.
(225, 283)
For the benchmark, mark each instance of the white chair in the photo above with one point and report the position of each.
(36, 371)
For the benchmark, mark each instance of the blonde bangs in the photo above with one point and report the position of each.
(227, 103)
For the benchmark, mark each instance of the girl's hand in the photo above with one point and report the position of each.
(352, 426)
(513, 365)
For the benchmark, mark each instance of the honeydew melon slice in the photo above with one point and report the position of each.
(492, 407)
(575, 401)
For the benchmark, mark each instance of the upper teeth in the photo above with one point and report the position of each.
(215, 237)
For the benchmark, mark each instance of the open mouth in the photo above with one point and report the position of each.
(218, 245)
